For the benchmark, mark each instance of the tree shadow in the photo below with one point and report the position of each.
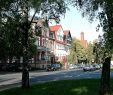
(64, 87)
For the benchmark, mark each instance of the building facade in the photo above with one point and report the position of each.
(52, 42)
(45, 44)
(62, 43)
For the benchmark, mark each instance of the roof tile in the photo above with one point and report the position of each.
(55, 27)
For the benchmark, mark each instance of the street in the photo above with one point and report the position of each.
(43, 76)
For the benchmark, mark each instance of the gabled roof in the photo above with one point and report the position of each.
(66, 32)
(55, 27)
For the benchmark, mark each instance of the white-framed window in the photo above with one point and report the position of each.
(43, 42)
(38, 42)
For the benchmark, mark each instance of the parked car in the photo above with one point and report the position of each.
(96, 66)
(89, 68)
(73, 66)
(54, 67)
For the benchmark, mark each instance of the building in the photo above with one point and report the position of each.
(62, 43)
(45, 44)
(53, 43)
(83, 41)
(67, 40)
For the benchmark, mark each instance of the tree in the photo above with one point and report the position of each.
(96, 51)
(80, 52)
(4, 18)
(89, 52)
(18, 10)
(102, 55)
(11, 34)
(72, 56)
(103, 10)
(51, 9)
(77, 52)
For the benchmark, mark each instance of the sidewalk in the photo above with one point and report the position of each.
(13, 79)
(7, 82)
(9, 72)
(9, 86)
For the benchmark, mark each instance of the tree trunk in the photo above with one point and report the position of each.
(25, 72)
(105, 77)
(25, 77)
(25, 28)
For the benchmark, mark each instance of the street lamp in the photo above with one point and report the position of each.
(47, 25)
(46, 53)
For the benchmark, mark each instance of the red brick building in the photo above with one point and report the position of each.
(83, 41)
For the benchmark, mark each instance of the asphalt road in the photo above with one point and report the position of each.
(64, 75)
(39, 77)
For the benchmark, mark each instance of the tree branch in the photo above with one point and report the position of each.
(33, 17)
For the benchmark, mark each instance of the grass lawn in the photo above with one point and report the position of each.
(111, 69)
(65, 87)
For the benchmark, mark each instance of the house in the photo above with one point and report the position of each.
(62, 43)
(53, 43)
(67, 40)
(45, 44)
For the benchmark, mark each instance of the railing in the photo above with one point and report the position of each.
(43, 48)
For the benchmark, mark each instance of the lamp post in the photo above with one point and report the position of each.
(46, 21)
(46, 52)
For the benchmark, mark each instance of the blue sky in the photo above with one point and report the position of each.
(74, 22)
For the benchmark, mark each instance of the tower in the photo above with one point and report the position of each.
(83, 41)
(82, 36)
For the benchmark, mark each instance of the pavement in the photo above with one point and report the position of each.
(9, 86)
(7, 83)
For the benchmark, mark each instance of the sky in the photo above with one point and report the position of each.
(74, 22)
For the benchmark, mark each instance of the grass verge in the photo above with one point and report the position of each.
(64, 87)
(111, 69)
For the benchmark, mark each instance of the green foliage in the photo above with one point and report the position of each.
(98, 53)
(72, 55)
(80, 51)
(14, 22)
(77, 52)
(52, 9)
(89, 51)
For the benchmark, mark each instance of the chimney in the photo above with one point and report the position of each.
(82, 36)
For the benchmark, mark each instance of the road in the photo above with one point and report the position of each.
(64, 75)
(39, 77)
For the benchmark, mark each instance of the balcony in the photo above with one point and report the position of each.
(43, 48)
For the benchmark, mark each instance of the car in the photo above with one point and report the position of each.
(88, 68)
(96, 66)
(53, 67)
(73, 66)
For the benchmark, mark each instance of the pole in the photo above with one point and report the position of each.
(46, 53)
